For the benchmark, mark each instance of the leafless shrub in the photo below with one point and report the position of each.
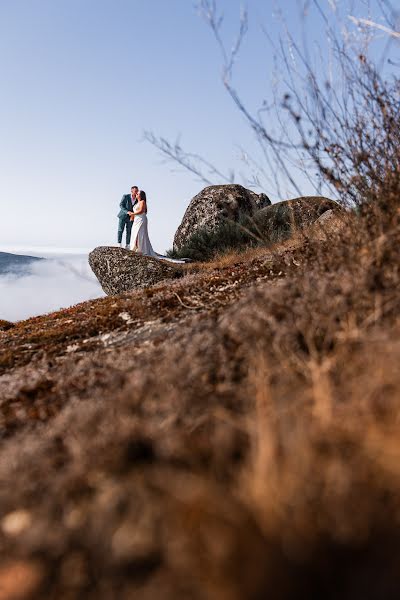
(334, 125)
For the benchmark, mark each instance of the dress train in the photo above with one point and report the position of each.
(140, 241)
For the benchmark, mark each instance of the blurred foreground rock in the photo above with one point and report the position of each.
(20, 579)
(120, 270)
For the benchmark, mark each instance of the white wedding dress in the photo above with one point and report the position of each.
(140, 241)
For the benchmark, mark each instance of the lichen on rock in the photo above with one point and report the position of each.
(119, 270)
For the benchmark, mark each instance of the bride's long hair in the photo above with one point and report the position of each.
(142, 196)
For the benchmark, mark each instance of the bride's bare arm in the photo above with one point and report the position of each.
(141, 208)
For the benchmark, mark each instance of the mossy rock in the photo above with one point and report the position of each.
(280, 220)
(211, 208)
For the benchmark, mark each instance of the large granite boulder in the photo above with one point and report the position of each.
(282, 219)
(119, 270)
(214, 205)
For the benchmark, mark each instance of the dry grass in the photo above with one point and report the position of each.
(230, 259)
(247, 447)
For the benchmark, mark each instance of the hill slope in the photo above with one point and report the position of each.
(15, 263)
(232, 434)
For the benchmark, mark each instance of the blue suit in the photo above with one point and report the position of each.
(124, 220)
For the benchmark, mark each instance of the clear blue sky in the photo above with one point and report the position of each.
(80, 82)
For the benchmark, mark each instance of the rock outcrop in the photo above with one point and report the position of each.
(5, 325)
(120, 270)
(281, 219)
(215, 204)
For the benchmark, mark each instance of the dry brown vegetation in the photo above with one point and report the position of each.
(230, 435)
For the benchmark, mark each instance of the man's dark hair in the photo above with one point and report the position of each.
(134, 186)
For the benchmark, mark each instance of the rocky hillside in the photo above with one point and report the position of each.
(229, 434)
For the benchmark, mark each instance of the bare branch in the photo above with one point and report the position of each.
(189, 161)
(329, 117)
(369, 23)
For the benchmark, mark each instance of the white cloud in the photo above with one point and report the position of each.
(50, 285)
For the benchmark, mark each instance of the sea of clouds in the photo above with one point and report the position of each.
(60, 281)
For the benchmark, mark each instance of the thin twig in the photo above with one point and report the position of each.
(186, 305)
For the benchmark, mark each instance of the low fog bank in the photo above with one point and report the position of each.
(58, 282)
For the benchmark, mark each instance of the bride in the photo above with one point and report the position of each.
(140, 241)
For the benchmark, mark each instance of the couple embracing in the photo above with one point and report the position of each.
(133, 217)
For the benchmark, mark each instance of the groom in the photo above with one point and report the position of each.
(127, 203)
